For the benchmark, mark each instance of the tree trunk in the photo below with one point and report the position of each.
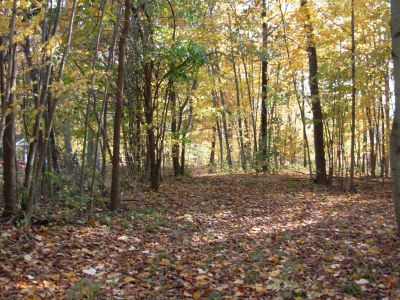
(352, 186)
(225, 123)
(39, 158)
(9, 168)
(264, 67)
(151, 142)
(320, 163)
(213, 143)
(115, 183)
(252, 108)
(185, 131)
(371, 131)
(395, 138)
(175, 134)
(238, 103)
(239, 110)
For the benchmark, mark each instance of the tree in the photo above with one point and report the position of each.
(9, 169)
(395, 138)
(115, 183)
(353, 101)
(319, 146)
(264, 67)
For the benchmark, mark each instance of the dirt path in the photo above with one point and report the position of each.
(216, 237)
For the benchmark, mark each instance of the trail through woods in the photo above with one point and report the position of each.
(216, 237)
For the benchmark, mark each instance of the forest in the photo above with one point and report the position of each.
(200, 149)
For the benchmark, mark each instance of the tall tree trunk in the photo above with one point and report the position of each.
(115, 183)
(214, 101)
(239, 110)
(238, 102)
(225, 122)
(300, 99)
(320, 163)
(110, 62)
(395, 138)
(88, 151)
(151, 141)
(352, 186)
(7, 130)
(185, 131)
(252, 107)
(264, 69)
(9, 168)
(371, 131)
(388, 118)
(3, 79)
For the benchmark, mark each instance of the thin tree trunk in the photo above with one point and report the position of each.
(252, 108)
(90, 147)
(371, 131)
(40, 158)
(239, 110)
(264, 67)
(352, 186)
(213, 143)
(175, 133)
(115, 183)
(151, 142)
(300, 99)
(185, 131)
(225, 123)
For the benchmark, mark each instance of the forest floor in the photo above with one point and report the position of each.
(216, 237)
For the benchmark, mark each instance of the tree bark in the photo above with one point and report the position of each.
(213, 143)
(115, 183)
(151, 142)
(264, 68)
(319, 146)
(9, 168)
(352, 186)
(395, 138)
(175, 134)
(252, 108)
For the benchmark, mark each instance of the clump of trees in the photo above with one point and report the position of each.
(108, 93)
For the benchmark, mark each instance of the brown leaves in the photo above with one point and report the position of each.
(202, 238)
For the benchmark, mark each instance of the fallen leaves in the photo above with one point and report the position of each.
(216, 237)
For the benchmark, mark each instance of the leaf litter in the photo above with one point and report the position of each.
(216, 237)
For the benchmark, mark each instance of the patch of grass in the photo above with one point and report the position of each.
(164, 256)
(351, 289)
(256, 256)
(369, 276)
(214, 295)
(151, 219)
(105, 218)
(290, 183)
(84, 289)
(292, 267)
(287, 236)
(252, 278)
(299, 293)
(126, 224)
